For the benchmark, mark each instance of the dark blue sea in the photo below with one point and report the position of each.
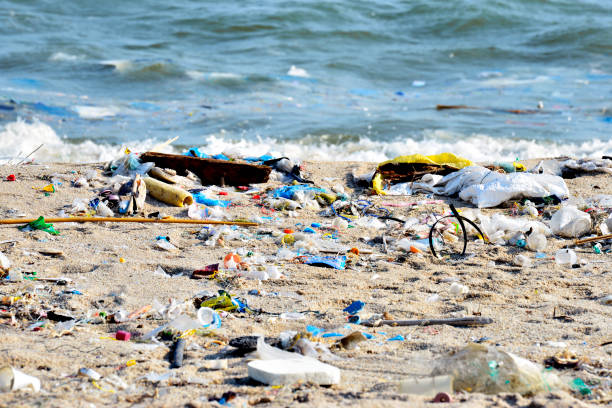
(327, 80)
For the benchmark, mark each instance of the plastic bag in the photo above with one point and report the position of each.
(40, 224)
(487, 369)
(570, 222)
(485, 188)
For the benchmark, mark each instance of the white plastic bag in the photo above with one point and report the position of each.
(485, 188)
(570, 222)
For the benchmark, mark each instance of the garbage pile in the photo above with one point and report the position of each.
(251, 229)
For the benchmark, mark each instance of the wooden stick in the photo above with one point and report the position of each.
(126, 219)
(599, 238)
(457, 322)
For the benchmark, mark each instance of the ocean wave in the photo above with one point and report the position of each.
(145, 68)
(19, 138)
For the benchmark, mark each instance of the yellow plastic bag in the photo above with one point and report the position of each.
(442, 159)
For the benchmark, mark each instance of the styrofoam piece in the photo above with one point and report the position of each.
(289, 371)
(428, 386)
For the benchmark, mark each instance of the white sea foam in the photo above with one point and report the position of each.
(214, 76)
(478, 148)
(61, 56)
(298, 72)
(20, 138)
(95, 112)
(122, 66)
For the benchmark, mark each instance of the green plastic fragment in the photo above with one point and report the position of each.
(40, 224)
(579, 385)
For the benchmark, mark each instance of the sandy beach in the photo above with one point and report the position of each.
(537, 311)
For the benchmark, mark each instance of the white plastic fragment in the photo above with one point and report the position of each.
(89, 373)
(536, 242)
(214, 364)
(457, 289)
(289, 371)
(5, 263)
(565, 257)
(570, 222)
(522, 261)
(606, 300)
(12, 379)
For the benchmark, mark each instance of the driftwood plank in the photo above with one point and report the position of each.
(211, 171)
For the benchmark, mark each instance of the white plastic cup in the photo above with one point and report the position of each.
(12, 379)
(565, 256)
(208, 317)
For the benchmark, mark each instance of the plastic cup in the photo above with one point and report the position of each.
(12, 379)
(208, 317)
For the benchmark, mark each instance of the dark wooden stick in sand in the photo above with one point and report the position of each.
(457, 322)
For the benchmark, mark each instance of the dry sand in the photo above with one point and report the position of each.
(521, 302)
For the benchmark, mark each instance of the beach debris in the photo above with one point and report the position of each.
(37, 224)
(441, 231)
(176, 356)
(565, 256)
(163, 175)
(12, 379)
(211, 171)
(167, 193)
(89, 373)
(455, 321)
(123, 335)
(490, 370)
(486, 188)
(570, 222)
(278, 367)
(336, 262)
(412, 167)
(351, 341)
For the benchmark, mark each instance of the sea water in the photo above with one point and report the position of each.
(327, 80)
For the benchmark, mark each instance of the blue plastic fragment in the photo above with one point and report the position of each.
(315, 225)
(367, 335)
(540, 255)
(314, 330)
(399, 337)
(195, 152)
(289, 191)
(332, 334)
(336, 262)
(262, 158)
(220, 156)
(354, 307)
(309, 230)
(94, 203)
(202, 199)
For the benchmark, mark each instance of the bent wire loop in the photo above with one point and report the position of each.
(460, 219)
